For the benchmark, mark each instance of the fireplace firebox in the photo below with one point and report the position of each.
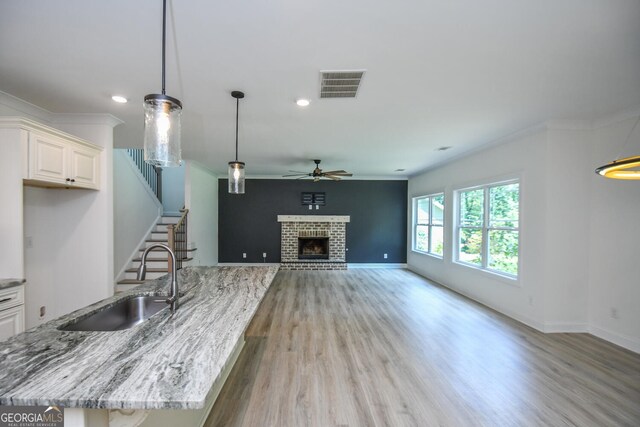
(313, 248)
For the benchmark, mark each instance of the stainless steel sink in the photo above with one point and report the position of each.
(125, 314)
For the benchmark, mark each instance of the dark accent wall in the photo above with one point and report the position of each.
(378, 209)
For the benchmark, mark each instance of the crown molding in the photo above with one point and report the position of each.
(86, 119)
(24, 107)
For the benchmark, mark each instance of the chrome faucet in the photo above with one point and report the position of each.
(173, 291)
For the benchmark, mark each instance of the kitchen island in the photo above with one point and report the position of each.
(167, 362)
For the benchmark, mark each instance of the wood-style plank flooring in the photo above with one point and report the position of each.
(385, 347)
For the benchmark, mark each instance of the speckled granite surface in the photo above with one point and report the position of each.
(10, 283)
(165, 362)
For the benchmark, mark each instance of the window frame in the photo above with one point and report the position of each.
(486, 227)
(430, 224)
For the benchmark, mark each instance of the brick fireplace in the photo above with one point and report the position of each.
(303, 239)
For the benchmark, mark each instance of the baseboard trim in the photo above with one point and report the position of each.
(565, 327)
(624, 341)
(376, 265)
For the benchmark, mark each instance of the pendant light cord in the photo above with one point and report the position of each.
(237, 110)
(626, 141)
(164, 38)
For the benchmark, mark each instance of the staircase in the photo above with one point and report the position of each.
(158, 259)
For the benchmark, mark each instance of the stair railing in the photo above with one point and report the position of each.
(177, 239)
(152, 174)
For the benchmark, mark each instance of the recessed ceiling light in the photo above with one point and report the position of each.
(119, 99)
(443, 148)
(302, 102)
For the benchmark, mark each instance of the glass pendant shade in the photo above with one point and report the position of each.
(236, 177)
(162, 116)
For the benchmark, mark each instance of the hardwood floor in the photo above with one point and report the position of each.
(388, 348)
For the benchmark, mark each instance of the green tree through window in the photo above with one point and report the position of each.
(428, 224)
(488, 227)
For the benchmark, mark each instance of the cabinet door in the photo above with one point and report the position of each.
(47, 158)
(11, 322)
(84, 167)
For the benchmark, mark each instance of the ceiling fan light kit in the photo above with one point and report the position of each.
(236, 168)
(627, 168)
(162, 117)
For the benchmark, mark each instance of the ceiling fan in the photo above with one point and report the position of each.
(317, 174)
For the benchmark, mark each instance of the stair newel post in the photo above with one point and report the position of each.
(171, 242)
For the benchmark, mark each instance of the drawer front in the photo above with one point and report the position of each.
(11, 297)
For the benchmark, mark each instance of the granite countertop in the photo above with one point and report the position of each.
(167, 362)
(10, 283)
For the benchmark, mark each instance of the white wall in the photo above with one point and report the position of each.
(201, 198)
(11, 214)
(11, 229)
(173, 189)
(136, 210)
(566, 252)
(614, 232)
(569, 278)
(521, 158)
(71, 262)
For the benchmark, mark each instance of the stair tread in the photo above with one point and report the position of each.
(134, 281)
(149, 270)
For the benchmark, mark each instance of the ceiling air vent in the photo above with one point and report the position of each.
(340, 84)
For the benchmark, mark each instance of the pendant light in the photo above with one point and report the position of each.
(628, 168)
(236, 168)
(162, 115)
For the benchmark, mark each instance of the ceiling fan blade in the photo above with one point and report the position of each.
(303, 177)
(335, 178)
(339, 174)
(335, 172)
(297, 174)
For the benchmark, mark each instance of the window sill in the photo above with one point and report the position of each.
(493, 274)
(427, 254)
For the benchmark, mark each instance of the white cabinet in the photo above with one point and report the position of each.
(58, 162)
(11, 312)
(47, 158)
(11, 322)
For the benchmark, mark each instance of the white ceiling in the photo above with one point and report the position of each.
(439, 73)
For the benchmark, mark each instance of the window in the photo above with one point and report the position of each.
(488, 227)
(428, 224)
